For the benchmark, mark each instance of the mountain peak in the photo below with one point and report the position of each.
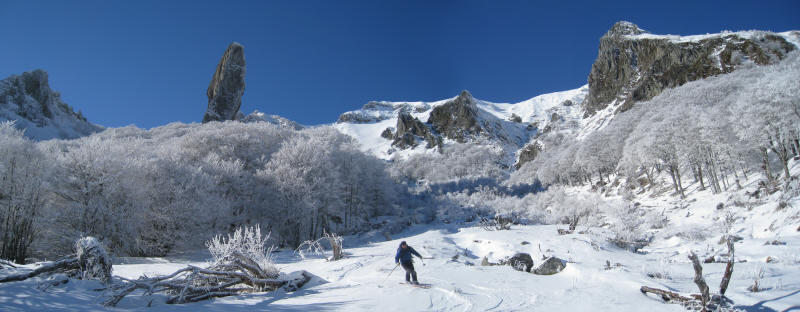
(28, 99)
(624, 28)
(465, 95)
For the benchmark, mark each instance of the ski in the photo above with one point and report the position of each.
(425, 286)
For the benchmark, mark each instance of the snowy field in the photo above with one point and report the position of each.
(459, 282)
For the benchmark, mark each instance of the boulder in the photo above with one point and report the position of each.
(387, 133)
(227, 86)
(521, 262)
(550, 266)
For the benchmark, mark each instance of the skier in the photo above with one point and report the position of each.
(404, 257)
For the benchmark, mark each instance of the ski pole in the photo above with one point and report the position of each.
(390, 273)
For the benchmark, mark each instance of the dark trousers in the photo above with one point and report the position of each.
(410, 273)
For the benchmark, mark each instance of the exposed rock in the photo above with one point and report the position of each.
(634, 66)
(550, 266)
(515, 118)
(409, 129)
(528, 153)
(521, 262)
(457, 119)
(227, 86)
(388, 133)
(28, 100)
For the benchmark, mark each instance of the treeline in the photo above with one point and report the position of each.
(716, 131)
(146, 192)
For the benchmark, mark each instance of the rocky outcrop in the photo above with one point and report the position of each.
(28, 100)
(227, 86)
(633, 65)
(550, 266)
(457, 119)
(528, 153)
(410, 129)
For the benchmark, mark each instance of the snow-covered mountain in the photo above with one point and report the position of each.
(506, 125)
(28, 100)
(257, 116)
(632, 65)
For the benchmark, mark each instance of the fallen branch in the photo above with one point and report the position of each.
(703, 301)
(666, 295)
(242, 264)
(64, 265)
(6, 263)
(192, 284)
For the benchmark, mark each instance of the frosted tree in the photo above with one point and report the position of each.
(23, 170)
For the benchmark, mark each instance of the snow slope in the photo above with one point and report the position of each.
(459, 282)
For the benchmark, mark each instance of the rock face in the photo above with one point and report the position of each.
(227, 86)
(633, 65)
(409, 129)
(456, 119)
(28, 100)
(550, 266)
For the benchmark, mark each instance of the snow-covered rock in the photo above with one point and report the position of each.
(28, 100)
(257, 116)
(633, 65)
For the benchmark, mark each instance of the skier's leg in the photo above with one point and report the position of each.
(408, 270)
(413, 272)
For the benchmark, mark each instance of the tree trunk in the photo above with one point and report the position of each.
(700, 176)
(787, 176)
(726, 278)
(765, 164)
(699, 280)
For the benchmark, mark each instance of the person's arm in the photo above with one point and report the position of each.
(397, 256)
(415, 252)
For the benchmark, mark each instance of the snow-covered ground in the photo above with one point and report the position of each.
(459, 283)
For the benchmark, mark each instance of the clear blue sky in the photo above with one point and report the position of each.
(149, 63)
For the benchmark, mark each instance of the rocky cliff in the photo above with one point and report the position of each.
(227, 86)
(28, 100)
(457, 119)
(633, 65)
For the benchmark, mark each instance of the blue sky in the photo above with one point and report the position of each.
(149, 63)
